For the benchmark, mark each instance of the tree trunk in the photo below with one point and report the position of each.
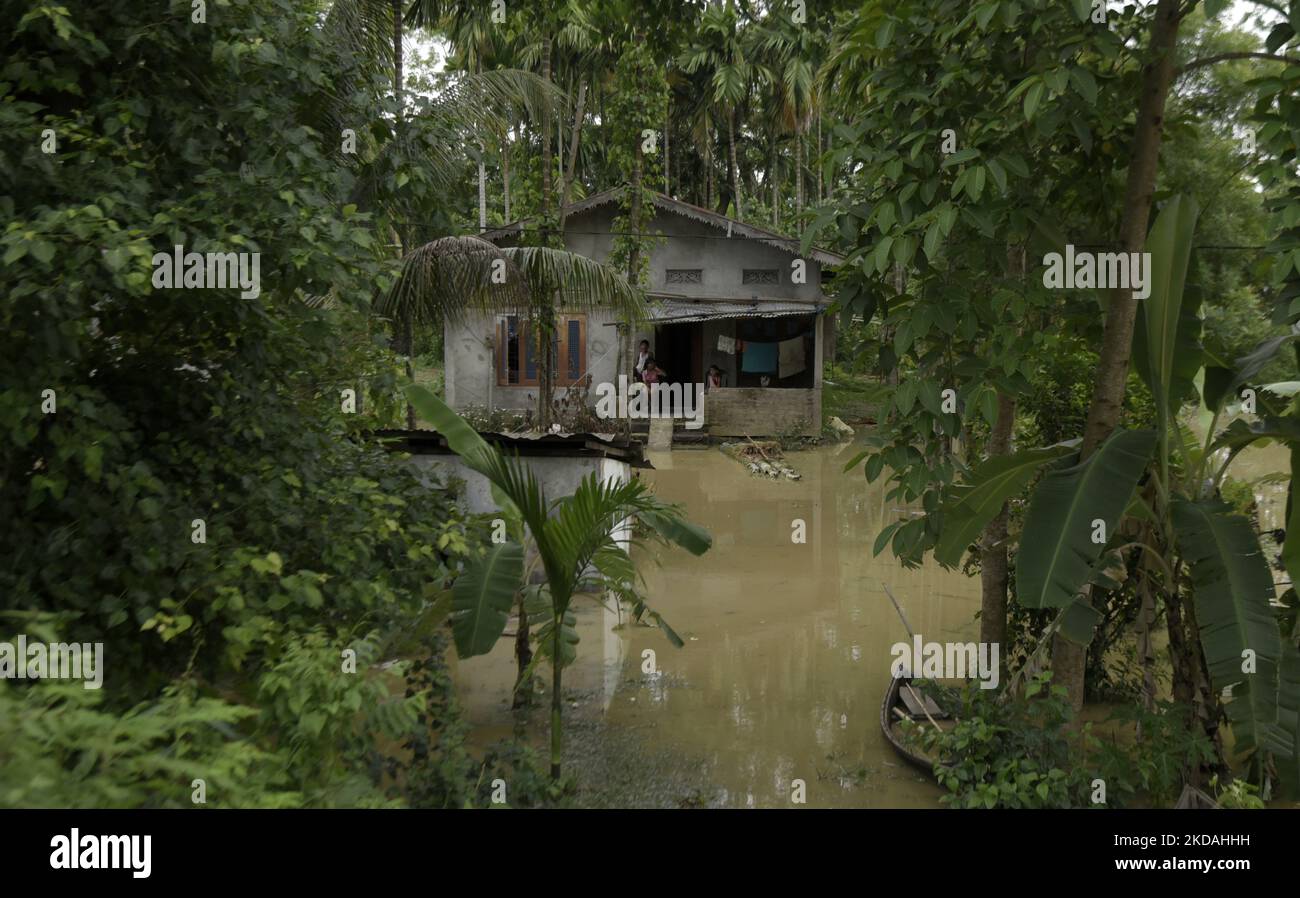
(798, 173)
(993, 542)
(397, 56)
(546, 139)
(404, 331)
(820, 197)
(735, 169)
(557, 704)
(1069, 660)
(634, 219)
(708, 181)
(523, 657)
(573, 152)
(668, 170)
(546, 315)
(776, 199)
(505, 172)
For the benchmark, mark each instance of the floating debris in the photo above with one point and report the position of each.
(762, 458)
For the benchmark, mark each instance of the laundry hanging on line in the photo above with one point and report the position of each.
(726, 344)
(759, 358)
(790, 357)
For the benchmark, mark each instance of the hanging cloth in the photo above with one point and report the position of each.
(759, 358)
(790, 357)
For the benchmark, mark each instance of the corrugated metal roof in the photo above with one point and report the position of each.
(682, 311)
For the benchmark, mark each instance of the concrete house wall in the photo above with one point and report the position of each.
(470, 373)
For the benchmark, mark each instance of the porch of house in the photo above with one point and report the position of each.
(769, 354)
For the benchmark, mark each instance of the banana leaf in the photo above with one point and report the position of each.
(1057, 552)
(1232, 589)
(1167, 332)
(1288, 718)
(968, 510)
(1222, 384)
(482, 596)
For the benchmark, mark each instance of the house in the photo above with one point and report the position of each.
(721, 293)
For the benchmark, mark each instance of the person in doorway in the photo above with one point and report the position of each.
(713, 378)
(652, 373)
(642, 356)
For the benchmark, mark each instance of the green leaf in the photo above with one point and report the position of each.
(1291, 546)
(905, 395)
(1082, 9)
(933, 240)
(1241, 433)
(1078, 622)
(882, 253)
(1033, 97)
(1220, 387)
(461, 439)
(992, 483)
(1167, 339)
(1084, 83)
(884, 34)
(482, 596)
(568, 639)
(41, 250)
(1056, 549)
(679, 531)
(1232, 589)
(1288, 718)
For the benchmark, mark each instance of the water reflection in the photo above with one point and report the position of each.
(787, 652)
(787, 644)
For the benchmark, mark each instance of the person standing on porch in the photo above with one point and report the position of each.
(642, 356)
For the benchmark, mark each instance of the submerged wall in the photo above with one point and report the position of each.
(558, 475)
(760, 411)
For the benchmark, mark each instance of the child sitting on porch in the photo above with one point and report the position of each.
(652, 373)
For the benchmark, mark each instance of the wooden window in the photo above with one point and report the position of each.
(516, 350)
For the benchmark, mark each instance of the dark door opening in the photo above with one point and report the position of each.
(678, 350)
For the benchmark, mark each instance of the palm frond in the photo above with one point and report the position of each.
(576, 282)
(450, 277)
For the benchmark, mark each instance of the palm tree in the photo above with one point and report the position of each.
(425, 149)
(453, 276)
(576, 538)
(790, 58)
(720, 51)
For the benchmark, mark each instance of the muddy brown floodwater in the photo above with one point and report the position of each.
(787, 646)
(786, 656)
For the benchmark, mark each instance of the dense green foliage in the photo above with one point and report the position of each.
(1021, 752)
(227, 644)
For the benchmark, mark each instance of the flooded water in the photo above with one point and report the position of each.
(787, 649)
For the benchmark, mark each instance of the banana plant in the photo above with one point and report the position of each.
(1156, 492)
(576, 538)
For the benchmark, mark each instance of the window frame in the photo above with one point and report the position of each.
(524, 335)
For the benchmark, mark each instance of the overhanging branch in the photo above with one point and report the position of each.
(1244, 54)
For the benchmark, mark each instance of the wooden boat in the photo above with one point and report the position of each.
(905, 699)
(1194, 799)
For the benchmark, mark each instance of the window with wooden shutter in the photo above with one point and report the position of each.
(517, 356)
